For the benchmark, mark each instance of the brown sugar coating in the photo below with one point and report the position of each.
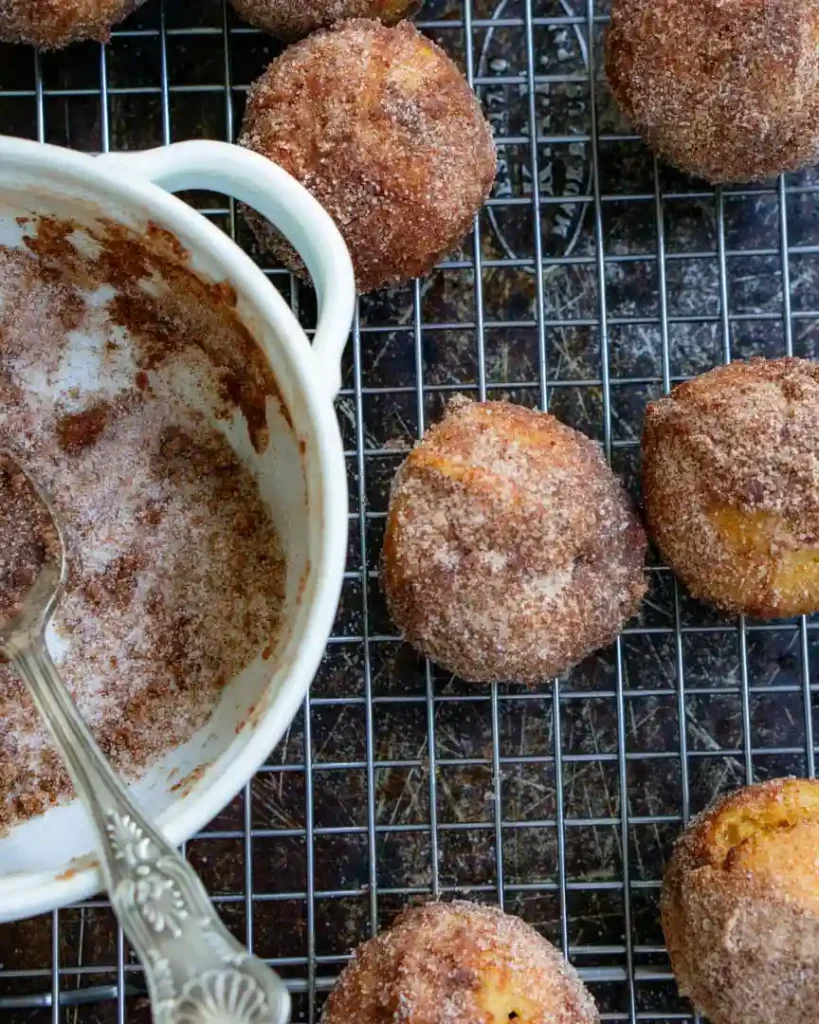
(176, 576)
(731, 484)
(725, 90)
(511, 550)
(28, 538)
(448, 963)
(56, 23)
(293, 19)
(383, 129)
(740, 906)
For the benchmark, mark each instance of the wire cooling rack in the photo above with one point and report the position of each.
(595, 280)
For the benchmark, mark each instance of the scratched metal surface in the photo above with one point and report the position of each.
(588, 294)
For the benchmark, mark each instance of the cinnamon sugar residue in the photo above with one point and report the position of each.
(176, 573)
(79, 429)
(28, 539)
(163, 307)
(187, 782)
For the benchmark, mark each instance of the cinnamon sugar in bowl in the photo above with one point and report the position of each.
(158, 389)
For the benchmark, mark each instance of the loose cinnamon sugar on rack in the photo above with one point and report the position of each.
(28, 539)
(176, 578)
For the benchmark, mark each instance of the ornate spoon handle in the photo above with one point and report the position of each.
(197, 973)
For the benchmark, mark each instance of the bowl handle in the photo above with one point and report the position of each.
(252, 179)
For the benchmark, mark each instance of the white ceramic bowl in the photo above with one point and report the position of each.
(48, 861)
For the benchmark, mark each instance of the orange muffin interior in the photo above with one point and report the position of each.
(764, 539)
(502, 1003)
(738, 822)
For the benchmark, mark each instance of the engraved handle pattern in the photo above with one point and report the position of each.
(197, 972)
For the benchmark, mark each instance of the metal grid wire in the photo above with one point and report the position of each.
(595, 279)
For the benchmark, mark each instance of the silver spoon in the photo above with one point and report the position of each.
(196, 972)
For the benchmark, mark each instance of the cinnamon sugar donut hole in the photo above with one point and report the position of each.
(726, 90)
(383, 129)
(458, 962)
(293, 19)
(731, 485)
(52, 24)
(511, 550)
(740, 906)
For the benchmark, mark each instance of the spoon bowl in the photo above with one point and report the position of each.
(43, 596)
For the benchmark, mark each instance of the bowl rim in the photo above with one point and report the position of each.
(23, 894)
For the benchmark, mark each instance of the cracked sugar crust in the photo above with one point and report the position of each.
(382, 128)
(52, 24)
(457, 962)
(724, 89)
(511, 550)
(293, 19)
(731, 485)
(742, 928)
